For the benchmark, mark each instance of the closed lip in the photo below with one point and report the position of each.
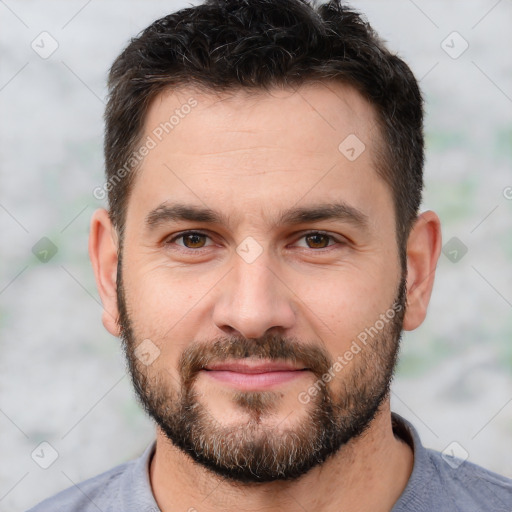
(253, 367)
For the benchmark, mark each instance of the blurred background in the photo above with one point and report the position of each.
(62, 376)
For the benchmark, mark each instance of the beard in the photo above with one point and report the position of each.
(252, 450)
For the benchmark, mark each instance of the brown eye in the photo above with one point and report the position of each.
(318, 240)
(194, 240)
(190, 240)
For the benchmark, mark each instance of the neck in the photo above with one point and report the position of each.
(368, 473)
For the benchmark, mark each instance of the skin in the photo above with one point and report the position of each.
(251, 157)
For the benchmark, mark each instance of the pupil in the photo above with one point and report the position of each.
(316, 239)
(195, 239)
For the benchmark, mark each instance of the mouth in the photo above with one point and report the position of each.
(254, 375)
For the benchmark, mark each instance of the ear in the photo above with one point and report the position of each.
(423, 249)
(103, 245)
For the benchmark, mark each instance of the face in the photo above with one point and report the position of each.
(260, 293)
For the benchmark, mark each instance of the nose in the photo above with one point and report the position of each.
(253, 300)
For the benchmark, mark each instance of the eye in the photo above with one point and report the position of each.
(318, 240)
(191, 240)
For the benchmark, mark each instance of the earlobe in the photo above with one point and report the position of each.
(104, 259)
(423, 249)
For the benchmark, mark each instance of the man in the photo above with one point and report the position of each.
(262, 253)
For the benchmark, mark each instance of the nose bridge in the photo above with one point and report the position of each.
(254, 299)
(255, 281)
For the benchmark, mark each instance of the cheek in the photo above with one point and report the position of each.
(160, 291)
(165, 306)
(344, 303)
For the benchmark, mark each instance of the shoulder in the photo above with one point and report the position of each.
(469, 487)
(89, 495)
(446, 483)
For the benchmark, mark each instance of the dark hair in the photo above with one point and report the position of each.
(224, 45)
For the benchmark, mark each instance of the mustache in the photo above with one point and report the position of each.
(273, 348)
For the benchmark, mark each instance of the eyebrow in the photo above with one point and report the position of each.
(338, 211)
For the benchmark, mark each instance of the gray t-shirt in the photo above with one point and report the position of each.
(437, 483)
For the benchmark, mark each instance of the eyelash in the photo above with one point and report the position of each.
(189, 250)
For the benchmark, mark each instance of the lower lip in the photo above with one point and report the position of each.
(254, 381)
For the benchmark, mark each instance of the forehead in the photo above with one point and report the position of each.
(252, 152)
(311, 117)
